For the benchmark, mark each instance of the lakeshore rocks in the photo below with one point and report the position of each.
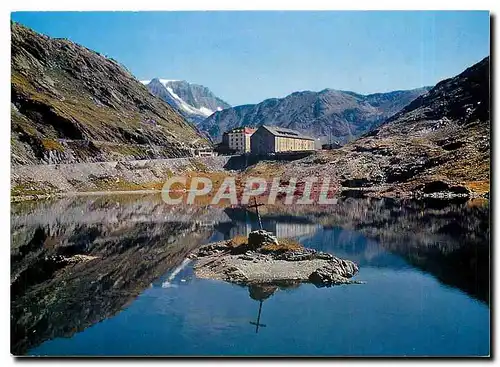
(334, 273)
(212, 249)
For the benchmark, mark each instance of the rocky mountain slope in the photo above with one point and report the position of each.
(194, 102)
(71, 104)
(339, 114)
(438, 143)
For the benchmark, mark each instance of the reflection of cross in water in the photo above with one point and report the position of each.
(257, 324)
(256, 206)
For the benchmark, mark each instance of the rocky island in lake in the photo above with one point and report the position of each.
(262, 259)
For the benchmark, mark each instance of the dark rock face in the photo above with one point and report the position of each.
(65, 94)
(464, 98)
(356, 182)
(441, 189)
(326, 114)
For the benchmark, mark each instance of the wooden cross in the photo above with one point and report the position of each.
(257, 324)
(256, 206)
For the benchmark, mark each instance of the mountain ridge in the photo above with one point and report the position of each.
(343, 115)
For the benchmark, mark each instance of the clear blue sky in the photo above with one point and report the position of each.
(246, 57)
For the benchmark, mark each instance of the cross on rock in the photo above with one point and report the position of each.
(256, 206)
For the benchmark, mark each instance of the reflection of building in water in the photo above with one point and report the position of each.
(294, 229)
(280, 229)
(350, 244)
(242, 229)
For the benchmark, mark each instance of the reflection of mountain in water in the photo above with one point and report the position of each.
(131, 241)
(52, 297)
(448, 240)
(353, 245)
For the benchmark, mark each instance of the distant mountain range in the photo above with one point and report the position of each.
(328, 114)
(193, 101)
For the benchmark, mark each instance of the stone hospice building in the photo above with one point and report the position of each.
(267, 139)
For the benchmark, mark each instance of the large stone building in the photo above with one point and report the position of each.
(238, 139)
(269, 139)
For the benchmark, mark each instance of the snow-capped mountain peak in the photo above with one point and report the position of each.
(187, 107)
(195, 102)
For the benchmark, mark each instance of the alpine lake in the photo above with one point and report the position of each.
(126, 288)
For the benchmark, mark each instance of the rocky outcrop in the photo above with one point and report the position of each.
(257, 239)
(260, 265)
(72, 104)
(328, 114)
(333, 273)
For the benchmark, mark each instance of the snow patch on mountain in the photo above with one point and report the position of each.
(207, 111)
(195, 102)
(187, 107)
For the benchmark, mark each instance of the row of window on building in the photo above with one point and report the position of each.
(266, 140)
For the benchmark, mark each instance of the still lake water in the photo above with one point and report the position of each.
(426, 268)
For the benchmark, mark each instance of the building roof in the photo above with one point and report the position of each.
(286, 133)
(247, 130)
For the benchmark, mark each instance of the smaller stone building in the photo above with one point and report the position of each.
(238, 139)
